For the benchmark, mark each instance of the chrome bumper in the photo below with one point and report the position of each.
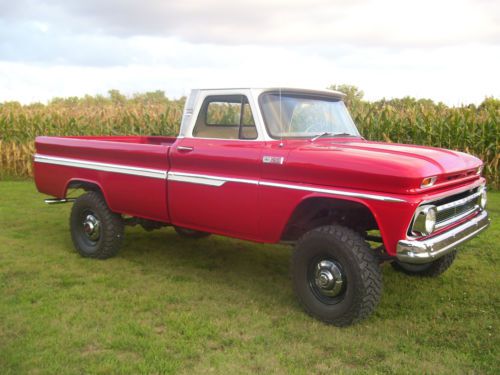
(411, 251)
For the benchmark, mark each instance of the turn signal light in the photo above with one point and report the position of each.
(428, 182)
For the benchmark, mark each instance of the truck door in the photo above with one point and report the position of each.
(213, 180)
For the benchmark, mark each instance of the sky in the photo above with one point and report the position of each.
(445, 50)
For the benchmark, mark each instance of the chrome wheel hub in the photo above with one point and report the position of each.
(92, 227)
(328, 278)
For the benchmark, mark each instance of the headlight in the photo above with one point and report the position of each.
(483, 198)
(425, 220)
(480, 170)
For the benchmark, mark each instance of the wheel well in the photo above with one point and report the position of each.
(85, 185)
(316, 212)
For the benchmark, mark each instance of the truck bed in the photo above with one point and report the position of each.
(130, 170)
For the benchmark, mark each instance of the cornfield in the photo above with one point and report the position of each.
(472, 129)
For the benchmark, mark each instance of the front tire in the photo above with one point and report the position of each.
(336, 277)
(432, 269)
(96, 231)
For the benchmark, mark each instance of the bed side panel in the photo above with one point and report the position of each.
(135, 185)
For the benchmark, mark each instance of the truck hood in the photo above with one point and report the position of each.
(387, 167)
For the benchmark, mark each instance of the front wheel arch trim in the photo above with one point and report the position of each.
(331, 200)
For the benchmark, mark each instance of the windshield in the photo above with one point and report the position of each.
(305, 116)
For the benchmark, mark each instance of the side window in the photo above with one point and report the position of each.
(226, 117)
(223, 113)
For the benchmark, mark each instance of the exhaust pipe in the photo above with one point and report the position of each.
(59, 200)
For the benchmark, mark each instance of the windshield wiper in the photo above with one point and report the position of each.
(320, 135)
(331, 134)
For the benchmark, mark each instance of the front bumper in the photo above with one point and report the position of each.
(417, 252)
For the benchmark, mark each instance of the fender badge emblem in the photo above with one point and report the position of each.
(273, 159)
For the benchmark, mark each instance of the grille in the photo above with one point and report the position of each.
(456, 207)
(445, 215)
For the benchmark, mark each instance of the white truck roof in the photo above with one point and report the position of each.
(287, 89)
(197, 96)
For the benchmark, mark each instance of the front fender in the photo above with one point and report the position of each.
(392, 218)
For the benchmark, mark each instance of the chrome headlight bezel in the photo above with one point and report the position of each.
(483, 198)
(425, 218)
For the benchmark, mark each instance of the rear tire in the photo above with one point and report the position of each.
(190, 233)
(95, 230)
(432, 269)
(336, 277)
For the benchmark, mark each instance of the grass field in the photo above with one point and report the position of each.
(172, 305)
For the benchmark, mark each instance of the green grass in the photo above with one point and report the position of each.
(167, 304)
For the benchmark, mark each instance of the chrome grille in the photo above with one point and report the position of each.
(456, 207)
(455, 211)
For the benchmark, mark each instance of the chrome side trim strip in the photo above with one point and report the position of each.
(219, 181)
(207, 179)
(332, 192)
(194, 178)
(98, 166)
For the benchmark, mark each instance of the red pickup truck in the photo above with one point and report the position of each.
(270, 166)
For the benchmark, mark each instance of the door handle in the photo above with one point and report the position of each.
(185, 148)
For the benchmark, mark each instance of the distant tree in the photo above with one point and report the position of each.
(353, 94)
(11, 105)
(56, 100)
(151, 97)
(98, 99)
(69, 101)
(428, 102)
(117, 97)
(36, 105)
(490, 103)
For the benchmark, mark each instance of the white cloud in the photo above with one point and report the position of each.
(362, 22)
(445, 50)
